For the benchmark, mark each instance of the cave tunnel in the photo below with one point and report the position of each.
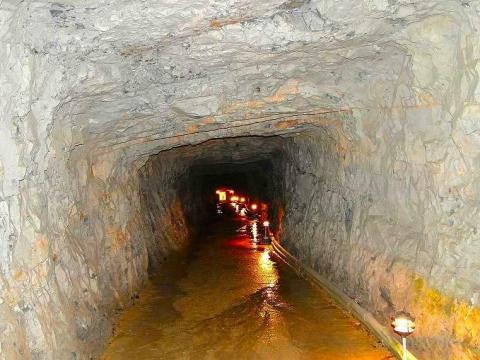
(355, 121)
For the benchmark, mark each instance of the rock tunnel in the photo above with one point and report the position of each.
(358, 121)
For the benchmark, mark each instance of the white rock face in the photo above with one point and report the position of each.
(383, 94)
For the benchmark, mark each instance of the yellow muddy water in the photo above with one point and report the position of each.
(232, 299)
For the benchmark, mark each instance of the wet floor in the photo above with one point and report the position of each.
(231, 299)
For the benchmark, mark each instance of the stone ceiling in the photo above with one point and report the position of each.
(141, 74)
(141, 77)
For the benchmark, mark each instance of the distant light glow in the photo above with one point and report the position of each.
(254, 206)
(222, 196)
(234, 198)
(266, 223)
(242, 199)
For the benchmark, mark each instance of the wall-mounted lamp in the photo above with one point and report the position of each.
(266, 224)
(403, 324)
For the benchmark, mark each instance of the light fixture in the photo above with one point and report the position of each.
(254, 206)
(234, 198)
(266, 223)
(222, 195)
(403, 324)
(242, 199)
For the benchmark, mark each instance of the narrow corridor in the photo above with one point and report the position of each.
(232, 299)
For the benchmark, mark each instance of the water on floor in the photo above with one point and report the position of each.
(232, 299)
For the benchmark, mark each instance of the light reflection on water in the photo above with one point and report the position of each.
(254, 232)
(234, 300)
(267, 272)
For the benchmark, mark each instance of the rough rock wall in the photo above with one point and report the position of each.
(164, 202)
(390, 191)
(394, 231)
(30, 297)
(73, 247)
(83, 249)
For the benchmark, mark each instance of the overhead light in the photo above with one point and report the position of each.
(242, 199)
(254, 206)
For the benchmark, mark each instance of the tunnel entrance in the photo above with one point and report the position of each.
(193, 173)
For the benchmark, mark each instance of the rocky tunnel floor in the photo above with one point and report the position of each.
(230, 298)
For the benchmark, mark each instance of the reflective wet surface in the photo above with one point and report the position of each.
(232, 299)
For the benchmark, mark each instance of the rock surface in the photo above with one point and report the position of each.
(377, 106)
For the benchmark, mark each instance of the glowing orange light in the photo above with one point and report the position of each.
(222, 195)
(266, 223)
(217, 192)
(254, 206)
(242, 199)
(234, 198)
(231, 191)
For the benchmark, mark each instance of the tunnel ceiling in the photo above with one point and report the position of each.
(146, 76)
(229, 150)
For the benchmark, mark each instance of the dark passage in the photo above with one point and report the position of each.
(230, 298)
